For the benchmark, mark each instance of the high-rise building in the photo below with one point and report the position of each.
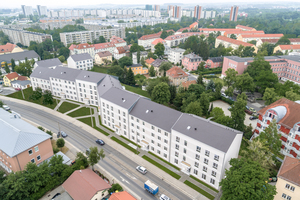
(233, 13)
(148, 7)
(42, 10)
(197, 12)
(175, 11)
(156, 8)
(170, 7)
(27, 10)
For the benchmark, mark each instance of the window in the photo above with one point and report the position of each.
(137, 120)
(166, 134)
(195, 171)
(207, 153)
(152, 148)
(158, 137)
(165, 155)
(204, 169)
(196, 164)
(213, 173)
(32, 160)
(158, 151)
(38, 157)
(183, 158)
(158, 144)
(176, 153)
(184, 150)
(216, 157)
(215, 165)
(158, 130)
(289, 198)
(185, 143)
(283, 195)
(175, 161)
(204, 176)
(165, 148)
(166, 141)
(152, 134)
(30, 151)
(212, 181)
(177, 139)
(36, 149)
(132, 118)
(287, 186)
(177, 146)
(198, 149)
(143, 130)
(197, 157)
(292, 188)
(152, 127)
(152, 141)
(131, 123)
(205, 161)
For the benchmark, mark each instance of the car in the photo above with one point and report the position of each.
(18, 89)
(249, 112)
(253, 117)
(252, 110)
(164, 197)
(62, 134)
(1, 90)
(141, 169)
(247, 107)
(5, 107)
(87, 151)
(101, 142)
(73, 162)
(56, 195)
(224, 95)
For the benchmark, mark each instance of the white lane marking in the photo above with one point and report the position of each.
(123, 180)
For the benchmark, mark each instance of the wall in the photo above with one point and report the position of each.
(280, 188)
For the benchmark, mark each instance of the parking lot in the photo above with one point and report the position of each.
(7, 90)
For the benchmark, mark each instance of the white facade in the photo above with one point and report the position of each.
(42, 10)
(86, 64)
(175, 55)
(118, 55)
(143, 54)
(27, 10)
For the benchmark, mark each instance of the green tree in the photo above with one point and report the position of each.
(233, 36)
(243, 175)
(37, 94)
(185, 31)
(283, 40)
(151, 55)
(135, 48)
(200, 79)
(125, 61)
(165, 66)
(138, 56)
(7, 70)
(64, 51)
(217, 112)
(204, 102)
(1, 103)
(60, 143)
(201, 66)
(244, 82)
(159, 49)
(292, 96)
(238, 112)
(218, 88)
(161, 93)
(95, 156)
(210, 85)
(248, 132)
(229, 91)
(143, 62)
(152, 71)
(115, 187)
(270, 96)
(48, 97)
(102, 39)
(130, 77)
(194, 108)
(13, 65)
(173, 93)
(62, 59)
(230, 77)
(188, 51)
(81, 160)
(164, 34)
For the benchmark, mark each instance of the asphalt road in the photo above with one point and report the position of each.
(113, 159)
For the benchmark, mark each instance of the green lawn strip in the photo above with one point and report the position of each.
(88, 122)
(81, 112)
(124, 145)
(161, 167)
(101, 69)
(164, 161)
(130, 141)
(66, 106)
(104, 125)
(27, 93)
(137, 90)
(205, 184)
(199, 189)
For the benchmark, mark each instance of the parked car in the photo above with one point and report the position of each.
(248, 112)
(101, 142)
(87, 151)
(5, 107)
(164, 197)
(247, 107)
(252, 110)
(18, 89)
(141, 169)
(56, 195)
(253, 117)
(224, 95)
(62, 134)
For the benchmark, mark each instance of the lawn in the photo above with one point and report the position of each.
(161, 167)
(206, 185)
(100, 69)
(81, 112)
(130, 141)
(137, 90)
(64, 149)
(199, 189)
(164, 161)
(87, 121)
(27, 93)
(66, 106)
(124, 145)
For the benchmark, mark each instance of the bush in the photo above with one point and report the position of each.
(210, 76)
(55, 150)
(115, 187)
(50, 133)
(209, 196)
(227, 100)
(41, 128)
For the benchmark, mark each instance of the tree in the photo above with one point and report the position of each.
(161, 93)
(135, 48)
(201, 66)
(246, 179)
(125, 61)
(200, 79)
(244, 82)
(238, 112)
(229, 91)
(230, 77)
(218, 88)
(270, 96)
(210, 85)
(292, 96)
(204, 102)
(102, 39)
(61, 59)
(159, 49)
(151, 55)
(152, 71)
(60, 143)
(164, 34)
(1, 103)
(37, 94)
(7, 70)
(13, 65)
(138, 56)
(95, 156)
(130, 77)
(217, 112)
(173, 93)
(143, 62)
(248, 132)
(194, 108)
(165, 66)
(283, 40)
(81, 160)
(185, 31)
(233, 36)
(64, 51)
(188, 51)
(47, 97)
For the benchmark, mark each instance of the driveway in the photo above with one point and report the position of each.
(7, 90)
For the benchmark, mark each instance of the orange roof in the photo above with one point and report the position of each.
(182, 29)
(156, 41)
(22, 78)
(186, 84)
(262, 36)
(244, 27)
(149, 60)
(116, 40)
(176, 72)
(103, 45)
(215, 29)
(195, 24)
(7, 48)
(239, 31)
(294, 39)
(151, 36)
(184, 35)
(81, 46)
(233, 41)
(84, 184)
(290, 170)
(121, 196)
(12, 75)
(289, 47)
(121, 50)
(271, 41)
(170, 30)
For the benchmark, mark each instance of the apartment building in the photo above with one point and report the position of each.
(238, 32)
(49, 63)
(92, 49)
(175, 55)
(233, 13)
(102, 56)
(245, 28)
(9, 48)
(21, 143)
(24, 37)
(234, 44)
(197, 12)
(80, 61)
(288, 183)
(27, 10)
(143, 54)
(156, 8)
(191, 61)
(42, 10)
(286, 67)
(287, 48)
(174, 40)
(175, 12)
(256, 37)
(18, 57)
(176, 76)
(146, 40)
(117, 41)
(208, 14)
(90, 36)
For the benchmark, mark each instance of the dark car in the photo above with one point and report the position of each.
(62, 134)
(56, 195)
(101, 142)
(18, 89)
(253, 117)
(248, 112)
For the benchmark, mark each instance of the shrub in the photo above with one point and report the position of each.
(41, 128)
(115, 187)
(55, 150)
(50, 133)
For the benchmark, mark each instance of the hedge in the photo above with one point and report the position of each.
(124, 145)
(130, 141)
(199, 190)
(210, 76)
(205, 184)
(164, 161)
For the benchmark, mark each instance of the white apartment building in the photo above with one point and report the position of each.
(143, 54)
(50, 63)
(174, 40)
(92, 49)
(146, 40)
(175, 55)
(27, 10)
(80, 61)
(42, 10)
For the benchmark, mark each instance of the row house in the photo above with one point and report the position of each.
(234, 44)
(215, 30)
(239, 32)
(287, 48)
(274, 41)
(191, 61)
(286, 114)
(179, 31)
(9, 48)
(245, 28)
(174, 40)
(256, 37)
(80, 61)
(146, 40)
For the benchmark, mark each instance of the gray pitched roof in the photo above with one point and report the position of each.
(135, 65)
(159, 115)
(57, 72)
(17, 135)
(216, 59)
(158, 62)
(89, 76)
(49, 63)
(192, 55)
(177, 50)
(104, 54)
(120, 97)
(80, 57)
(208, 132)
(23, 83)
(107, 83)
(18, 56)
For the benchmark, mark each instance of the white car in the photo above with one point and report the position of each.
(141, 169)
(5, 107)
(164, 197)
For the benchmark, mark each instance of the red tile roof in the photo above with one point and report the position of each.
(116, 40)
(84, 184)
(216, 29)
(195, 24)
(149, 60)
(104, 54)
(156, 41)
(289, 47)
(290, 170)
(244, 27)
(22, 78)
(233, 41)
(262, 36)
(182, 29)
(82, 46)
(176, 72)
(121, 196)
(12, 75)
(121, 50)
(271, 41)
(151, 36)
(186, 84)
(184, 35)
(239, 31)
(8, 47)
(294, 39)
(103, 45)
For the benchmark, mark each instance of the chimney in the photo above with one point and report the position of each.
(195, 129)
(80, 171)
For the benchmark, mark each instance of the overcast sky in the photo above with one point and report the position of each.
(75, 3)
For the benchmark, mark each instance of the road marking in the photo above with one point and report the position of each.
(132, 177)
(123, 180)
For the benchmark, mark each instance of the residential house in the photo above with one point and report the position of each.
(234, 44)
(80, 61)
(18, 57)
(176, 76)
(288, 182)
(256, 37)
(82, 48)
(259, 42)
(155, 42)
(175, 55)
(21, 143)
(22, 84)
(85, 184)
(181, 30)
(194, 25)
(295, 40)
(174, 40)
(10, 48)
(9, 78)
(148, 62)
(124, 195)
(49, 63)
(156, 64)
(108, 46)
(214, 62)
(191, 61)
(117, 41)
(187, 84)
(146, 40)
(238, 32)
(121, 52)
(102, 56)
(215, 30)
(287, 48)
(138, 69)
(245, 28)
(143, 54)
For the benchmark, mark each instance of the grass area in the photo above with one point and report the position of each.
(66, 106)
(137, 90)
(124, 145)
(164, 161)
(205, 184)
(199, 189)
(100, 69)
(27, 93)
(130, 141)
(173, 174)
(87, 121)
(81, 112)
(64, 149)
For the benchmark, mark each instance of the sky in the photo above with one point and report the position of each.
(74, 3)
